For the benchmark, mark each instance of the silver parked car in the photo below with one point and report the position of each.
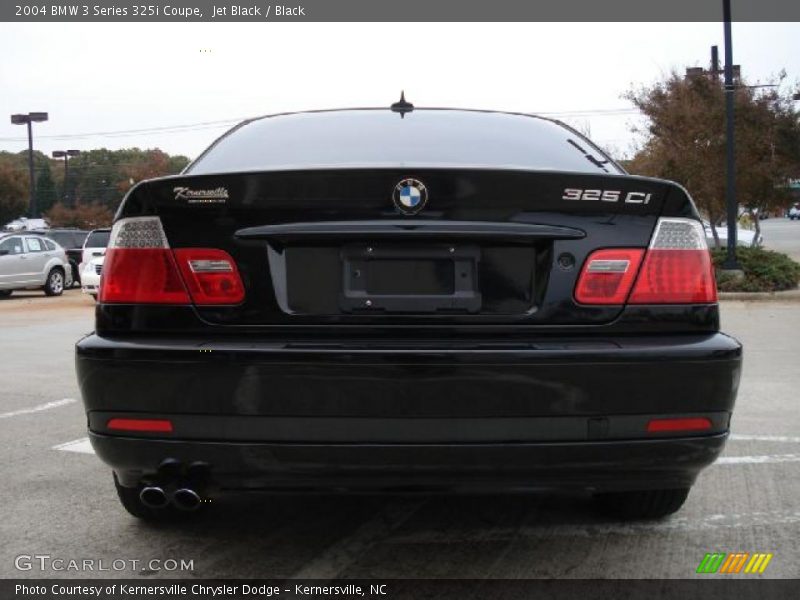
(32, 261)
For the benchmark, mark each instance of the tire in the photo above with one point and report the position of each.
(5, 293)
(643, 504)
(55, 282)
(76, 276)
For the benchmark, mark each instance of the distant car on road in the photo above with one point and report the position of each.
(25, 224)
(794, 212)
(72, 240)
(744, 237)
(32, 261)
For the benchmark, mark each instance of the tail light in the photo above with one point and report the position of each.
(140, 268)
(608, 275)
(676, 269)
(211, 275)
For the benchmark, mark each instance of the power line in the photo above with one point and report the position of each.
(133, 132)
(594, 112)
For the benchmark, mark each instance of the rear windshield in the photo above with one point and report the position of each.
(381, 138)
(98, 239)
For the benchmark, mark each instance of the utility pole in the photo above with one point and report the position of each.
(65, 154)
(731, 263)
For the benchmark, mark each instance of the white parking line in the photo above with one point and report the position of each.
(83, 446)
(764, 438)
(547, 528)
(755, 460)
(343, 553)
(35, 409)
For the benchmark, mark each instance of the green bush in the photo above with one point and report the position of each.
(764, 271)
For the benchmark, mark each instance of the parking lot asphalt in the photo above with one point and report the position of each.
(58, 499)
(782, 235)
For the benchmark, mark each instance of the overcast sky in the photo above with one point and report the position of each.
(95, 78)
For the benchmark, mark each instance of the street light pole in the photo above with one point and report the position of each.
(730, 187)
(65, 154)
(29, 119)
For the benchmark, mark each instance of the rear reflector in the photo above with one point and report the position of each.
(677, 268)
(607, 276)
(692, 424)
(211, 275)
(154, 425)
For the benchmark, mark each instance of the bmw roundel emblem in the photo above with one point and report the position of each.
(410, 196)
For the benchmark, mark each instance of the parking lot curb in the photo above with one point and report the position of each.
(787, 296)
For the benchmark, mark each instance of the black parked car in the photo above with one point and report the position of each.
(72, 241)
(426, 299)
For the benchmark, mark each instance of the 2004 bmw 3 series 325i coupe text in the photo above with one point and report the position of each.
(399, 299)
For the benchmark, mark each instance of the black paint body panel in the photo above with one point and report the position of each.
(497, 379)
(306, 403)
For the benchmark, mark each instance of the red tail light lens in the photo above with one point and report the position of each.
(141, 276)
(152, 425)
(211, 275)
(140, 268)
(691, 424)
(607, 276)
(677, 268)
(676, 277)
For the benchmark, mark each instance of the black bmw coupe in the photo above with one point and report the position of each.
(407, 299)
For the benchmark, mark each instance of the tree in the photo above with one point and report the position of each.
(13, 193)
(684, 140)
(84, 216)
(46, 194)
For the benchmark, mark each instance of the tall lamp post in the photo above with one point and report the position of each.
(730, 188)
(33, 117)
(65, 154)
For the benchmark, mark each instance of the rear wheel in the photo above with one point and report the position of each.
(55, 282)
(5, 293)
(643, 504)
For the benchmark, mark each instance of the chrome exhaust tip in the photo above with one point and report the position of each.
(153, 497)
(186, 499)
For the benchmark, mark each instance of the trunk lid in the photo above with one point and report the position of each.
(329, 247)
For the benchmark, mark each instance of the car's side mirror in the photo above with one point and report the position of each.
(3, 252)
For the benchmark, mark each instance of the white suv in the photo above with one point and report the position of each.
(94, 250)
(794, 212)
(32, 261)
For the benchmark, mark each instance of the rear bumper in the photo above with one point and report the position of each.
(566, 413)
(578, 466)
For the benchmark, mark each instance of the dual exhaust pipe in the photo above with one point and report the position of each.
(183, 498)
